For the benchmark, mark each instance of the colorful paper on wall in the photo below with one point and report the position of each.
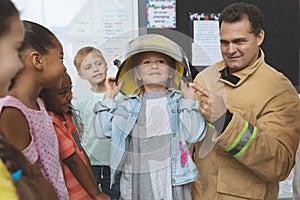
(206, 45)
(161, 13)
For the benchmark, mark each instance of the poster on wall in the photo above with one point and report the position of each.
(206, 45)
(161, 13)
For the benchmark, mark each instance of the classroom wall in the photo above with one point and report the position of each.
(282, 30)
(107, 25)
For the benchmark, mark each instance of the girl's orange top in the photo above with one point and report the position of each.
(65, 130)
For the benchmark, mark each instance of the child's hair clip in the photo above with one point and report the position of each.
(16, 175)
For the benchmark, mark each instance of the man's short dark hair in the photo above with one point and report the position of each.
(237, 11)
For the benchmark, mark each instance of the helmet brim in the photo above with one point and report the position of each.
(151, 43)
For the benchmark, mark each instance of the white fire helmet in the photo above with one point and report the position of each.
(156, 43)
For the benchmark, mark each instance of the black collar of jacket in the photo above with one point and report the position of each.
(225, 75)
(232, 79)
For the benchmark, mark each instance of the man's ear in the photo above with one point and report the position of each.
(36, 60)
(260, 37)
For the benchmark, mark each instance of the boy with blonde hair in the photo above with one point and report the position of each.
(92, 67)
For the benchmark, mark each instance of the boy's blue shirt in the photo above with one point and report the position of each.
(115, 119)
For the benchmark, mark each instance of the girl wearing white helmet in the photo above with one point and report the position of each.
(151, 127)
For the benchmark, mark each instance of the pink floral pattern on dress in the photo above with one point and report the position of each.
(183, 154)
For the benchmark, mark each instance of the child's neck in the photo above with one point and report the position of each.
(27, 96)
(61, 116)
(154, 89)
(98, 88)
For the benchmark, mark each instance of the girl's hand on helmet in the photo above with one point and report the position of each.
(187, 90)
(111, 88)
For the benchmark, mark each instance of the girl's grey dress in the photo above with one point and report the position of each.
(148, 165)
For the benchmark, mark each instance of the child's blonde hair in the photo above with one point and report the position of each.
(83, 53)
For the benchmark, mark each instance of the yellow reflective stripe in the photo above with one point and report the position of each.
(210, 125)
(236, 141)
(247, 144)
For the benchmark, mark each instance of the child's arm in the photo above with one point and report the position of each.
(15, 130)
(88, 165)
(80, 171)
(191, 122)
(102, 121)
(45, 186)
(103, 109)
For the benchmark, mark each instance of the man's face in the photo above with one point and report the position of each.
(239, 46)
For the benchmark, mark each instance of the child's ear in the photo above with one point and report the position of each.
(137, 74)
(36, 60)
(81, 76)
(106, 67)
(171, 73)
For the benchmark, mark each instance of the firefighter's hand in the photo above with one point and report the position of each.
(212, 106)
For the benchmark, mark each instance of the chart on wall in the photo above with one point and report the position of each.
(107, 25)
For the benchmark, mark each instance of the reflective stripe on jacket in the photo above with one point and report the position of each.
(257, 148)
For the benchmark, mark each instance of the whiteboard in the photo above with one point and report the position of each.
(107, 25)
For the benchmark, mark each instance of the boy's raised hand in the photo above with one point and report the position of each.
(187, 91)
(111, 88)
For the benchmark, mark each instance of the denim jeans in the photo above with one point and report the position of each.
(102, 176)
